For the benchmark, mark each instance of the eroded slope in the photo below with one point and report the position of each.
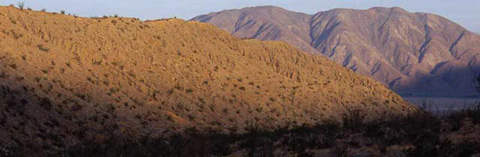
(412, 53)
(66, 79)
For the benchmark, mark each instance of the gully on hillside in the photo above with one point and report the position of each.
(412, 53)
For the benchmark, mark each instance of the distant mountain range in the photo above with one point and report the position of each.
(412, 53)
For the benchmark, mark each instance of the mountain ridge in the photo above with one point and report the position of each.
(66, 80)
(412, 53)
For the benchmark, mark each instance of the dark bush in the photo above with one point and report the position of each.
(421, 132)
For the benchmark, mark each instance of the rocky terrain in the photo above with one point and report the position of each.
(66, 81)
(412, 53)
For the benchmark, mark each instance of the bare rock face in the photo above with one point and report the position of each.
(412, 53)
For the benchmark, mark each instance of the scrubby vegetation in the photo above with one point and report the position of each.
(418, 134)
(21, 5)
(81, 86)
(66, 79)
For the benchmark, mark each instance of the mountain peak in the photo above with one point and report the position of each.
(396, 9)
(412, 53)
(271, 7)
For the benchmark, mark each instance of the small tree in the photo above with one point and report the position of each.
(21, 5)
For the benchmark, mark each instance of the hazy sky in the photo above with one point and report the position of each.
(464, 12)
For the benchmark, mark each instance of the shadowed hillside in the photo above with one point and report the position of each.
(67, 79)
(412, 53)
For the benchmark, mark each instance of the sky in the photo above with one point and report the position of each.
(464, 12)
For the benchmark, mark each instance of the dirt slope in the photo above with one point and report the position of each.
(65, 79)
(412, 53)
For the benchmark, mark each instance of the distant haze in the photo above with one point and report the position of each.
(464, 12)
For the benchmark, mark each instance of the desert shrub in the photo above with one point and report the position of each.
(3, 74)
(456, 119)
(321, 136)
(13, 66)
(21, 5)
(106, 82)
(15, 34)
(418, 128)
(45, 71)
(257, 141)
(132, 74)
(20, 78)
(420, 131)
(352, 119)
(114, 90)
(91, 80)
(272, 99)
(46, 103)
(42, 48)
(82, 96)
(189, 144)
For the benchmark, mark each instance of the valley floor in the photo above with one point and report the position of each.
(443, 105)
